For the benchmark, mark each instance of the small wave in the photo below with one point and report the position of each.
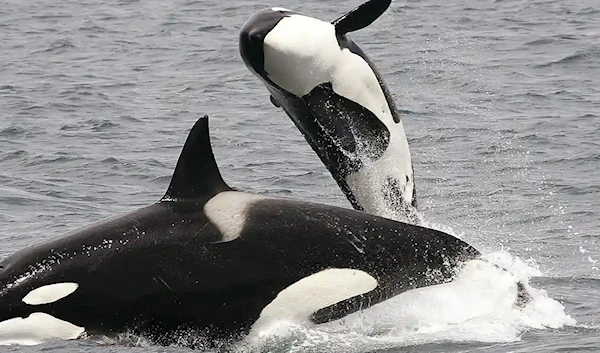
(586, 157)
(16, 200)
(7, 88)
(12, 131)
(569, 281)
(64, 107)
(130, 118)
(95, 29)
(92, 28)
(162, 179)
(118, 85)
(410, 112)
(42, 160)
(110, 160)
(587, 116)
(541, 41)
(187, 89)
(575, 58)
(56, 46)
(579, 190)
(104, 125)
(13, 155)
(551, 40)
(588, 11)
(94, 125)
(70, 127)
(32, 107)
(51, 16)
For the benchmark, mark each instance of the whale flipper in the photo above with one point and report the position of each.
(196, 175)
(274, 102)
(353, 127)
(360, 17)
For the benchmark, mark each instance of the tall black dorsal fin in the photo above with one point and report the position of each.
(361, 17)
(196, 175)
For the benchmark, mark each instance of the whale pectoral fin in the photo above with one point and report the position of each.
(349, 306)
(361, 17)
(414, 201)
(274, 102)
(353, 127)
(196, 175)
(523, 296)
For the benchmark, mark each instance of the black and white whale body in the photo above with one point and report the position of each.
(207, 257)
(338, 100)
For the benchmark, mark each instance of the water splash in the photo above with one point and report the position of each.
(479, 306)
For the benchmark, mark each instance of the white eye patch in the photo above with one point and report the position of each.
(50, 293)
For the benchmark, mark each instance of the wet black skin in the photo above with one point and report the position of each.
(166, 268)
(168, 278)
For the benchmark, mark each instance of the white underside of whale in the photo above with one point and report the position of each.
(301, 53)
(298, 301)
(37, 328)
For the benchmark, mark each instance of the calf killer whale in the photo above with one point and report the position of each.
(208, 257)
(337, 99)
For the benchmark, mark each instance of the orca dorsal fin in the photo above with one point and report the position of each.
(360, 17)
(196, 175)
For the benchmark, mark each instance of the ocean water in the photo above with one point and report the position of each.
(500, 101)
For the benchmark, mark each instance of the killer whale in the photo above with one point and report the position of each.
(212, 258)
(338, 100)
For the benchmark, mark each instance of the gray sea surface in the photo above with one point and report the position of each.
(500, 101)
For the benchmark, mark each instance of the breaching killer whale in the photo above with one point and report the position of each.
(210, 258)
(335, 96)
